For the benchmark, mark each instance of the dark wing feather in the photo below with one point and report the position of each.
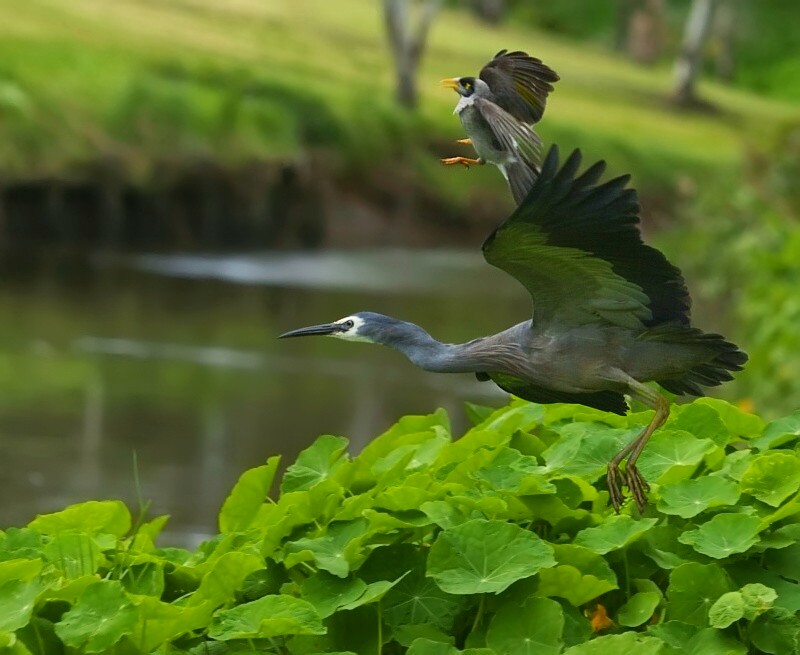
(607, 401)
(520, 84)
(576, 247)
(511, 133)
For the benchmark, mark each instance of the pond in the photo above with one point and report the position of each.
(159, 378)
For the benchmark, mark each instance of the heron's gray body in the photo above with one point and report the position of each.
(575, 361)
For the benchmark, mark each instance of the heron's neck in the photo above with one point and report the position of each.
(432, 355)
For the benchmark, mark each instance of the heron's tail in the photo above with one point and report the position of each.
(520, 176)
(723, 358)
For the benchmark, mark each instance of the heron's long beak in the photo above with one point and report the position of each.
(449, 83)
(325, 328)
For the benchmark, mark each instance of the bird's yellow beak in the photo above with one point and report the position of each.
(449, 83)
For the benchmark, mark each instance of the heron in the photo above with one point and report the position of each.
(498, 109)
(610, 313)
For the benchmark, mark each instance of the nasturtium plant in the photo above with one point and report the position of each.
(500, 542)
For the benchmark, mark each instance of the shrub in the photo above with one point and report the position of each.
(501, 542)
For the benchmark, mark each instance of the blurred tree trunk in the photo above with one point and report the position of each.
(687, 65)
(407, 44)
(646, 31)
(725, 33)
(490, 10)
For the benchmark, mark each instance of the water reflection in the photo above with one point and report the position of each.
(175, 359)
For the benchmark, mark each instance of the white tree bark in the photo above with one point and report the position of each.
(407, 43)
(687, 65)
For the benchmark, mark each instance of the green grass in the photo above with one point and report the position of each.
(143, 81)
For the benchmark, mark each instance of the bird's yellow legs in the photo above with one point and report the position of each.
(466, 161)
(632, 478)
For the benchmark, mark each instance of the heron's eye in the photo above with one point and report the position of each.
(348, 324)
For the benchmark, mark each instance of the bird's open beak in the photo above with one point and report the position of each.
(325, 328)
(449, 83)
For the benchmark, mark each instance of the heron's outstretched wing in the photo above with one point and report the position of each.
(607, 401)
(575, 246)
(520, 84)
(511, 133)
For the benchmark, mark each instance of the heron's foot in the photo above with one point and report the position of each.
(638, 486)
(635, 482)
(614, 484)
(465, 142)
(466, 161)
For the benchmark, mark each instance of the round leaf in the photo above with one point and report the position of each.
(772, 477)
(533, 629)
(483, 556)
(688, 498)
(614, 533)
(723, 535)
(639, 608)
(270, 616)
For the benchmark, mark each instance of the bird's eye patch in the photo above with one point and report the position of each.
(467, 85)
(347, 324)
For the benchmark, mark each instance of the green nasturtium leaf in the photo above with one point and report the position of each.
(579, 576)
(672, 455)
(270, 616)
(779, 433)
(616, 532)
(533, 629)
(316, 463)
(727, 609)
(638, 609)
(772, 477)
(74, 554)
(20, 543)
(17, 599)
(693, 589)
(776, 631)
(338, 551)
(723, 535)
(738, 422)
(627, 643)
(688, 498)
(248, 494)
(225, 577)
(327, 593)
(102, 616)
(703, 422)
(482, 556)
(91, 517)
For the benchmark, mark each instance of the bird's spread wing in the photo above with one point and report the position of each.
(607, 401)
(575, 246)
(510, 133)
(520, 84)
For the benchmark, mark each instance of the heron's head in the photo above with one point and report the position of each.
(466, 86)
(361, 326)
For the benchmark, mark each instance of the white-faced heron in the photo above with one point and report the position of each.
(610, 313)
(497, 110)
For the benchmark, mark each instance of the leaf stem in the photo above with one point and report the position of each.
(479, 615)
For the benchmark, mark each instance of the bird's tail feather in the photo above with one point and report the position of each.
(520, 176)
(724, 358)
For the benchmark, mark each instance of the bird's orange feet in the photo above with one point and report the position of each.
(466, 161)
(465, 142)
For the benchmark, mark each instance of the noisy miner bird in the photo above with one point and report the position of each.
(609, 312)
(498, 109)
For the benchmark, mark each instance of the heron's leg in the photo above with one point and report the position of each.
(633, 479)
(466, 161)
(465, 142)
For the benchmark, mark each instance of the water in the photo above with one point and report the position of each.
(167, 368)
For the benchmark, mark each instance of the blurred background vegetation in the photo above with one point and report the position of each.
(231, 130)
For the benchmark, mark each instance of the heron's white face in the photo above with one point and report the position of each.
(353, 324)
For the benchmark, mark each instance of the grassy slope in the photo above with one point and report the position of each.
(142, 79)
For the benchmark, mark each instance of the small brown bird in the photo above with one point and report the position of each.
(498, 109)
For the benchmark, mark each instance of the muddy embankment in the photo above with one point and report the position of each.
(264, 205)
